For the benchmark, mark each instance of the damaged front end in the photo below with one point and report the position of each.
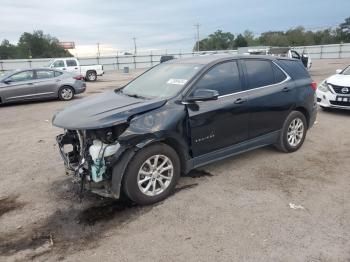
(90, 155)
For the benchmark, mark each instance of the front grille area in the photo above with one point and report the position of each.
(340, 103)
(338, 89)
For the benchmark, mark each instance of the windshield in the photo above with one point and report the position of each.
(162, 81)
(4, 74)
(346, 71)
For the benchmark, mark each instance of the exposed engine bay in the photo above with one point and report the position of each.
(89, 155)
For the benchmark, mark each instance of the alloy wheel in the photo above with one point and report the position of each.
(155, 175)
(295, 132)
(66, 93)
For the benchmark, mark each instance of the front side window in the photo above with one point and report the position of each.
(21, 76)
(162, 81)
(223, 78)
(71, 63)
(259, 73)
(58, 63)
(42, 74)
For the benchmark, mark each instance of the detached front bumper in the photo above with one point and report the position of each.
(331, 100)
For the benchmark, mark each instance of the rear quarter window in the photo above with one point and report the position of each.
(294, 68)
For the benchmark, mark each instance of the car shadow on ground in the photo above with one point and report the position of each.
(77, 226)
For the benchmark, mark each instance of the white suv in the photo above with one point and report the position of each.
(334, 92)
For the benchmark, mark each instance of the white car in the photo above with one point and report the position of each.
(334, 92)
(71, 64)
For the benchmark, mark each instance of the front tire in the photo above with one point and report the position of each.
(293, 132)
(66, 93)
(152, 174)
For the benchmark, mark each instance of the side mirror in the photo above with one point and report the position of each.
(7, 82)
(203, 95)
(338, 71)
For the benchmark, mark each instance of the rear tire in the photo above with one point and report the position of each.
(144, 181)
(66, 93)
(293, 132)
(91, 76)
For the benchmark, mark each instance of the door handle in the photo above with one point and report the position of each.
(76, 68)
(63, 68)
(30, 84)
(240, 100)
(285, 89)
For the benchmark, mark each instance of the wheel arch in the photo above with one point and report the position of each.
(305, 113)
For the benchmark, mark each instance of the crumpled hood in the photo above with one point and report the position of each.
(104, 110)
(339, 80)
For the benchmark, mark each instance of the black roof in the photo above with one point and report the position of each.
(206, 59)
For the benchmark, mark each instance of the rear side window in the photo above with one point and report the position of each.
(71, 63)
(279, 75)
(259, 73)
(42, 74)
(294, 68)
(223, 78)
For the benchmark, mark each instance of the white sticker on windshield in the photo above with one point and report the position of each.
(173, 81)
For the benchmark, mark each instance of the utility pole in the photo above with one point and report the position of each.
(135, 49)
(197, 26)
(98, 49)
(98, 53)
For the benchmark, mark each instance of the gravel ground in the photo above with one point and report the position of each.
(259, 206)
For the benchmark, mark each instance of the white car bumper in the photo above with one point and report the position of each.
(333, 100)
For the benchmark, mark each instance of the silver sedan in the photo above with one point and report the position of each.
(39, 83)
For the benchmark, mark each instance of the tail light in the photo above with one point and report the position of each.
(79, 77)
(314, 86)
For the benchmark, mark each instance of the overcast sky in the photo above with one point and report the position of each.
(159, 24)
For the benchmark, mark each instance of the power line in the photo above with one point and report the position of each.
(197, 26)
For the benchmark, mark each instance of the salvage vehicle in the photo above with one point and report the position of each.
(71, 64)
(39, 83)
(180, 115)
(334, 92)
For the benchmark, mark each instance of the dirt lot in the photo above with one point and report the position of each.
(237, 210)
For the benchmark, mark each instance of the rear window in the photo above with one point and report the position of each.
(294, 68)
(259, 73)
(71, 63)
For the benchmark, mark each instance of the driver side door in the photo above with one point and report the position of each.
(17, 87)
(217, 124)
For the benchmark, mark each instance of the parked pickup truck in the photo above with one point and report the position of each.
(72, 64)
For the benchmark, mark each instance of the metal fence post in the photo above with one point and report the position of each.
(117, 61)
(340, 47)
(135, 61)
(321, 51)
(151, 58)
(2, 67)
(30, 63)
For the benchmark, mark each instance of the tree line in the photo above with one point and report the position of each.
(33, 45)
(298, 36)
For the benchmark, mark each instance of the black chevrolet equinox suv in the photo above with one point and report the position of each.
(180, 115)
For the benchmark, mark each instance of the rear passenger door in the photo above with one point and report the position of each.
(46, 83)
(271, 95)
